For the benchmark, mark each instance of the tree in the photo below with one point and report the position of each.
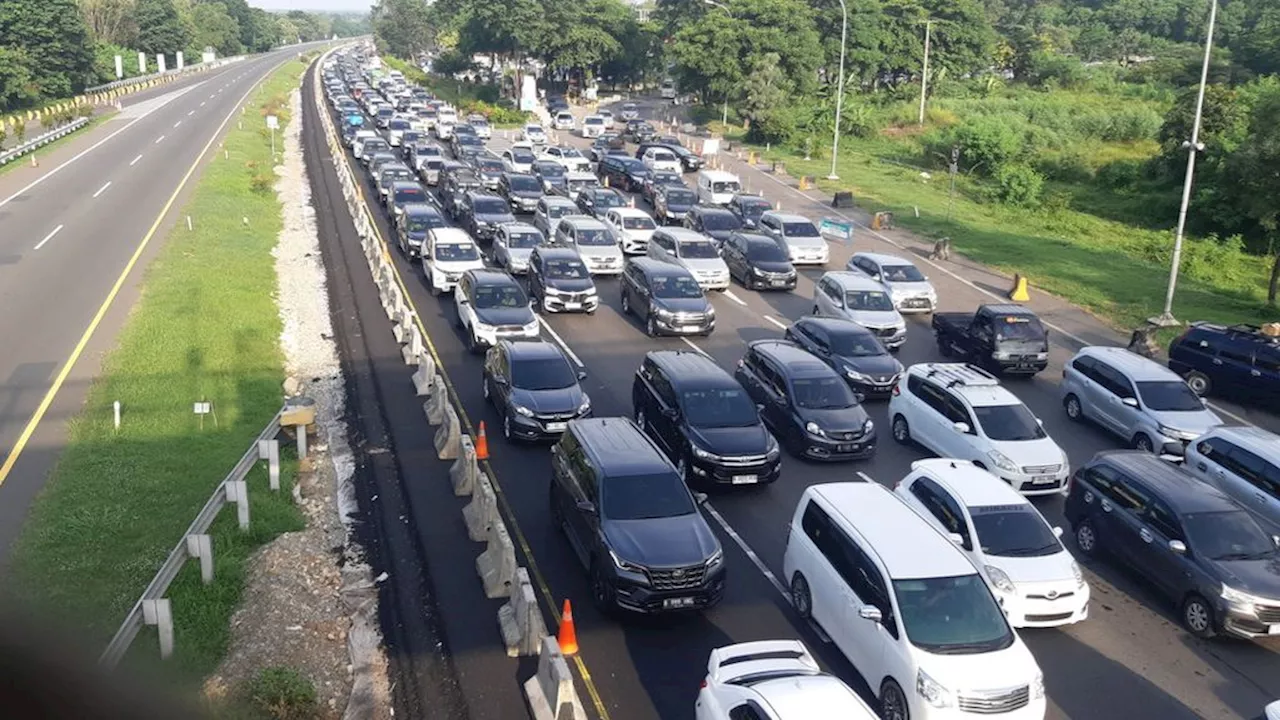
(160, 28)
(265, 31)
(53, 37)
(111, 21)
(707, 56)
(215, 28)
(18, 87)
(403, 27)
(766, 93)
(1255, 166)
(307, 25)
(1223, 122)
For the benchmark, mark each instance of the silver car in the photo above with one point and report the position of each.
(1243, 462)
(1142, 401)
(909, 289)
(799, 236)
(856, 297)
(594, 241)
(513, 243)
(694, 251)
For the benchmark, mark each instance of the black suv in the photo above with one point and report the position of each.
(851, 350)
(758, 262)
(749, 208)
(412, 227)
(808, 406)
(456, 181)
(596, 201)
(1239, 361)
(632, 521)
(623, 172)
(703, 420)
(490, 169)
(522, 191)
(658, 179)
(533, 386)
(466, 146)
(666, 297)
(560, 282)
(672, 203)
(639, 131)
(551, 174)
(1193, 543)
(715, 222)
(481, 213)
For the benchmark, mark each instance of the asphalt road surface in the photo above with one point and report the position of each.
(1130, 659)
(76, 232)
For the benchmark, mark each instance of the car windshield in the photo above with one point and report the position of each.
(522, 156)
(822, 393)
(593, 121)
(1008, 422)
(722, 407)
(594, 237)
(565, 269)
(457, 252)
(1169, 395)
(855, 344)
(1227, 535)
(479, 124)
(558, 211)
(550, 169)
(698, 250)
(799, 229)
(608, 200)
(523, 239)
(666, 157)
(901, 273)
(491, 206)
(410, 195)
(766, 252)
(644, 497)
(871, 300)
(373, 146)
(469, 139)
(638, 222)
(680, 197)
(725, 187)
(533, 130)
(499, 296)
(543, 374)
(420, 224)
(754, 208)
(524, 183)
(1013, 531)
(666, 177)
(490, 166)
(1018, 328)
(398, 125)
(570, 152)
(952, 615)
(673, 287)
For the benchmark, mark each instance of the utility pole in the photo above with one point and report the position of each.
(835, 140)
(924, 76)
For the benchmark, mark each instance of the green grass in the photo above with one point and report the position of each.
(26, 159)
(483, 98)
(205, 328)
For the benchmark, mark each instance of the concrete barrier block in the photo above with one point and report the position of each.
(437, 401)
(424, 376)
(520, 620)
(550, 692)
(401, 323)
(497, 564)
(449, 435)
(412, 344)
(465, 470)
(482, 511)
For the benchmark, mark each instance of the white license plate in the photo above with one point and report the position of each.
(572, 306)
(777, 283)
(1043, 480)
(681, 602)
(556, 426)
(745, 479)
(1273, 630)
(851, 447)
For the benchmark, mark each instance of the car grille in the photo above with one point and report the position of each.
(1041, 469)
(682, 578)
(572, 297)
(1050, 595)
(845, 435)
(1048, 617)
(510, 329)
(884, 332)
(996, 702)
(555, 416)
(919, 302)
(743, 460)
(1269, 614)
(688, 318)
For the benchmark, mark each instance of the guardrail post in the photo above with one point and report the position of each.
(158, 614)
(301, 432)
(201, 546)
(238, 493)
(269, 450)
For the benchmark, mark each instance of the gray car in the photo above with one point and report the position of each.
(513, 244)
(1142, 401)
(695, 251)
(856, 297)
(1243, 462)
(909, 289)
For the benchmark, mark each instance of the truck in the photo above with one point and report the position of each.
(1005, 338)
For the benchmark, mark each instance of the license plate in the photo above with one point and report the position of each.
(681, 602)
(777, 283)
(1043, 480)
(745, 479)
(848, 447)
(556, 426)
(1273, 630)
(572, 306)
(1024, 366)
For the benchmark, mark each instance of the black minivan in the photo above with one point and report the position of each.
(703, 420)
(1191, 541)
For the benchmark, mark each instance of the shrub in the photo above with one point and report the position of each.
(1121, 174)
(986, 143)
(260, 183)
(1049, 70)
(1070, 165)
(1128, 124)
(776, 125)
(497, 114)
(283, 694)
(1018, 184)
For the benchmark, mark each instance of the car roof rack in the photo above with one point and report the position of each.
(961, 375)
(1253, 331)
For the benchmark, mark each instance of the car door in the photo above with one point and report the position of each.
(928, 413)
(864, 639)
(822, 301)
(1103, 390)
(500, 371)
(773, 391)
(1124, 417)
(828, 575)
(1254, 485)
(536, 282)
(668, 417)
(1233, 366)
(461, 301)
(968, 444)
(1124, 501)
(1165, 568)
(944, 509)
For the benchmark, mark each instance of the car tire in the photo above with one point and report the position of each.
(893, 702)
(1071, 404)
(1198, 617)
(1087, 538)
(1143, 443)
(801, 598)
(651, 327)
(901, 430)
(602, 593)
(1199, 383)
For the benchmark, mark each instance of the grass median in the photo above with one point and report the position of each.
(206, 328)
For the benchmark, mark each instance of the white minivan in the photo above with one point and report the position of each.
(907, 608)
(446, 255)
(717, 187)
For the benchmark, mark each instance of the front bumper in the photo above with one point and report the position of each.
(1031, 607)
(485, 232)
(488, 336)
(915, 304)
(634, 591)
(1035, 709)
(633, 246)
(675, 326)
(1250, 621)
(772, 281)
(713, 282)
(1021, 364)
(524, 205)
(542, 427)
(827, 449)
(810, 257)
(1032, 483)
(671, 215)
(573, 302)
(597, 267)
(413, 248)
(444, 282)
(727, 472)
(871, 388)
(892, 338)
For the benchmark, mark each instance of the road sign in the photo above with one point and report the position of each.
(273, 122)
(836, 230)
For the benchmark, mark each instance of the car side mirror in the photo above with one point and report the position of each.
(587, 507)
(1178, 547)
(875, 276)
(1039, 421)
(1131, 402)
(1057, 531)
(463, 301)
(671, 413)
(1276, 539)
(860, 397)
(960, 427)
(582, 374)
(700, 498)
(956, 538)
(760, 407)
(871, 613)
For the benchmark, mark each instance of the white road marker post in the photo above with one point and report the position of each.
(115, 411)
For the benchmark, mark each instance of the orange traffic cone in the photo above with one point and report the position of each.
(568, 637)
(482, 444)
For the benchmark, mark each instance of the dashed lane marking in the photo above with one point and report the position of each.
(135, 161)
(159, 140)
(102, 189)
(39, 245)
(729, 294)
(560, 341)
(696, 349)
(775, 321)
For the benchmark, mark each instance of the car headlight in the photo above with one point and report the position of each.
(664, 313)
(1238, 598)
(933, 693)
(624, 565)
(716, 558)
(999, 578)
(522, 410)
(757, 272)
(1037, 686)
(703, 454)
(774, 449)
(813, 429)
(868, 426)
(585, 405)
(999, 355)
(1078, 574)
(854, 374)
(532, 328)
(1001, 461)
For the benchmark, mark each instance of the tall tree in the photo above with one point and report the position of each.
(403, 28)
(215, 28)
(54, 37)
(18, 88)
(160, 28)
(110, 21)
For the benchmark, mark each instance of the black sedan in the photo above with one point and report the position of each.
(623, 172)
(597, 201)
(749, 208)
(534, 388)
(758, 262)
(850, 349)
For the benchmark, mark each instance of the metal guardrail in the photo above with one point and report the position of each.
(194, 67)
(43, 139)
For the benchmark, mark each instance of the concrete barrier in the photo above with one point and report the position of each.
(412, 344)
(465, 470)
(550, 692)
(401, 323)
(520, 620)
(395, 301)
(496, 566)
(448, 436)
(437, 401)
(482, 511)
(424, 376)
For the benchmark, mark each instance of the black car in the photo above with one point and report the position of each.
(1239, 361)
(632, 521)
(390, 174)
(604, 145)
(715, 222)
(666, 298)
(689, 160)
(623, 172)
(534, 388)
(521, 191)
(466, 146)
(408, 139)
(809, 407)
(658, 179)
(1193, 543)
(404, 192)
(551, 174)
(371, 147)
(490, 169)
(456, 181)
(748, 208)
(640, 131)
(703, 420)
(671, 203)
(560, 282)
(851, 350)
(758, 262)
(481, 213)
(412, 227)
(597, 201)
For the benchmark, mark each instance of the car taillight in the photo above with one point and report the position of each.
(897, 389)
(704, 683)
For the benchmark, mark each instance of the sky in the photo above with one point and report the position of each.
(321, 5)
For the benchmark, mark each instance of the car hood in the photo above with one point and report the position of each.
(875, 318)
(637, 234)
(718, 235)
(570, 284)
(549, 402)
(678, 207)
(458, 266)
(1197, 422)
(878, 366)
(520, 255)
(1030, 452)
(750, 440)
(1256, 577)
(505, 316)
(1044, 569)
(773, 266)
(841, 420)
(599, 251)
(526, 194)
(910, 289)
(685, 305)
(495, 219)
(808, 242)
(1010, 667)
(418, 235)
(662, 542)
(705, 265)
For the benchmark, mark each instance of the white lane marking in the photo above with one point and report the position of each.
(560, 341)
(48, 237)
(751, 554)
(193, 112)
(202, 103)
(135, 160)
(729, 294)
(102, 189)
(864, 476)
(159, 140)
(215, 92)
(177, 123)
(696, 349)
(776, 322)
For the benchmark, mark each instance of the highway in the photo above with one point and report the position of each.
(77, 232)
(1130, 659)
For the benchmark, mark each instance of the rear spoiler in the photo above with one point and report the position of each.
(730, 663)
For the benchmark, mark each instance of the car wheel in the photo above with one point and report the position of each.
(601, 590)
(893, 703)
(651, 327)
(1199, 383)
(801, 599)
(1087, 538)
(1197, 617)
(901, 430)
(626, 303)
(1071, 404)
(1142, 442)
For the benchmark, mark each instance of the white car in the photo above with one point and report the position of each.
(774, 680)
(533, 134)
(694, 251)
(961, 411)
(446, 255)
(657, 159)
(630, 111)
(1036, 580)
(608, 118)
(358, 139)
(568, 157)
(593, 126)
(803, 241)
(483, 129)
(633, 227)
(563, 121)
(909, 288)
(1273, 711)
(594, 242)
(519, 158)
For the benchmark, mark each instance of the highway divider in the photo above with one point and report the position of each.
(41, 140)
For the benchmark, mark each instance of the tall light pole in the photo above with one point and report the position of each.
(924, 74)
(1193, 146)
(835, 139)
(724, 115)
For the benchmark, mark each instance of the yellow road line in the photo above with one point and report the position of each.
(43, 408)
(535, 574)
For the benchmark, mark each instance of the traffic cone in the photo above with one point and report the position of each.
(568, 637)
(482, 444)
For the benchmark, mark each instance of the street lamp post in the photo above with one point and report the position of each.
(1193, 146)
(835, 139)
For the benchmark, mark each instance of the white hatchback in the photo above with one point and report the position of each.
(632, 226)
(778, 678)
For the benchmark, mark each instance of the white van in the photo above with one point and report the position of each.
(717, 187)
(907, 607)
(446, 255)
(668, 90)
(446, 118)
